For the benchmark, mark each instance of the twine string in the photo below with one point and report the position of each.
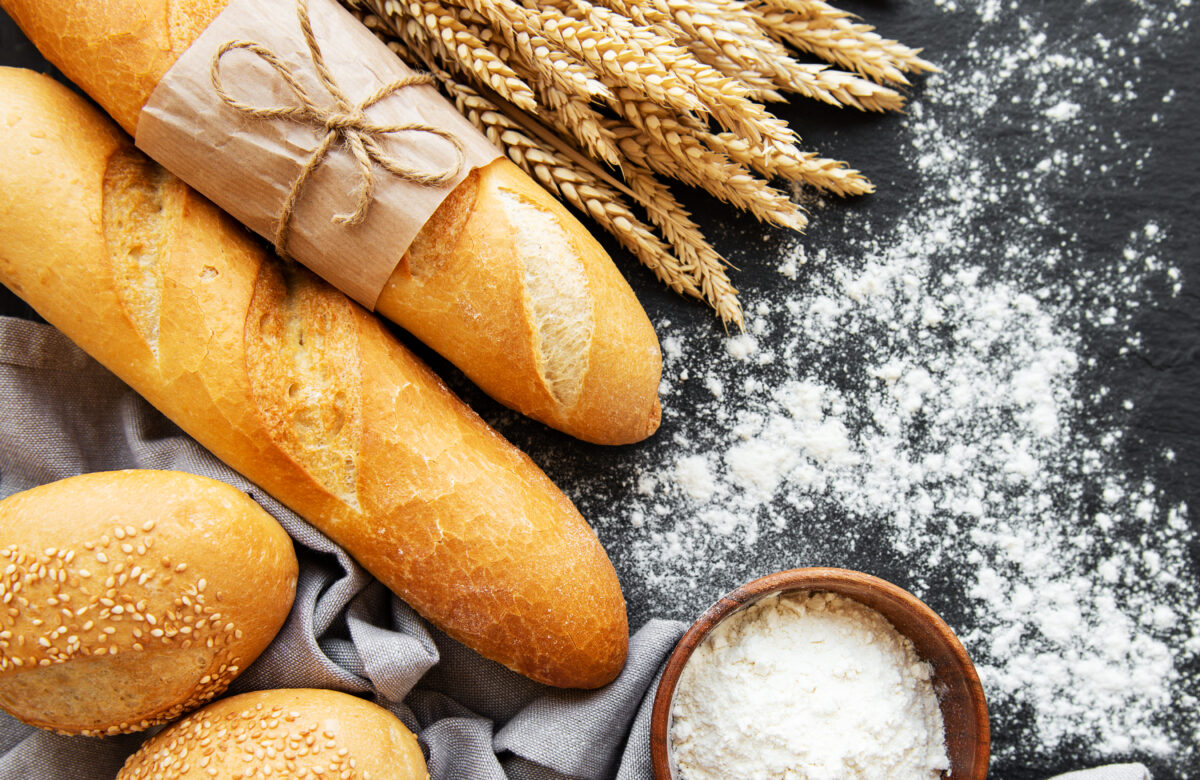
(345, 123)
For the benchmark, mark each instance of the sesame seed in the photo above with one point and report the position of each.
(100, 556)
(130, 531)
(127, 548)
(181, 568)
(148, 525)
(84, 573)
(118, 532)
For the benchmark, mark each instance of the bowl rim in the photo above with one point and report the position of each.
(814, 578)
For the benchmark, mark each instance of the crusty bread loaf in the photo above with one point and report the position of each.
(502, 281)
(299, 389)
(133, 597)
(290, 733)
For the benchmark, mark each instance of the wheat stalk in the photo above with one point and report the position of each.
(671, 88)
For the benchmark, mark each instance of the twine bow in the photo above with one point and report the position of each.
(344, 123)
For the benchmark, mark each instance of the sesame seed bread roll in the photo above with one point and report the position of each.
(292, 733)
(299, 389)
(131, 597)
(503, 281)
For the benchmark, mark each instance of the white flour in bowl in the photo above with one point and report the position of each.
(807, 686)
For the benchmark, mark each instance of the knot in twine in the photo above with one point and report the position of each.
(345, 123)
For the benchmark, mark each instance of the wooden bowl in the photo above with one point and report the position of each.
(955, 681)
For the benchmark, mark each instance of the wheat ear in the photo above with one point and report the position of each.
(656, 140)
(461, 44)
(804, 167)
(849, 44)
(674, 221)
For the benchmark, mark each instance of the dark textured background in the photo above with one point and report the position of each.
(1163, 375)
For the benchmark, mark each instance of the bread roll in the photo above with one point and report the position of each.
(502, 281)
(292, 733)
(133, 597)
(301, 390)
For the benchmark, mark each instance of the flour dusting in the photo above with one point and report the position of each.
(916, 388)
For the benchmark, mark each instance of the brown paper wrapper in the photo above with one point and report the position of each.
(247, 165)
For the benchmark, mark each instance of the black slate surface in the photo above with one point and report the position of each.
(1163, 374)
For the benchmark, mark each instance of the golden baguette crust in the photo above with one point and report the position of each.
(289, 733)
(586, 363)
(611, 363)
(175, 583)
(299, 389)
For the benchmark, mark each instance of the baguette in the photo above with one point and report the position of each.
(175, 584)
(502, 280)
(301, 390)
(290, 733)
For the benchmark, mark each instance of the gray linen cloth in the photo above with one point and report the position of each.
(62, 414)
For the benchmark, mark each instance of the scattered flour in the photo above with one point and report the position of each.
(910, 399)
(807, 686)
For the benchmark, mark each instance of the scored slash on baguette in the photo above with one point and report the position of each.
(299, 389)
(502, 281)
